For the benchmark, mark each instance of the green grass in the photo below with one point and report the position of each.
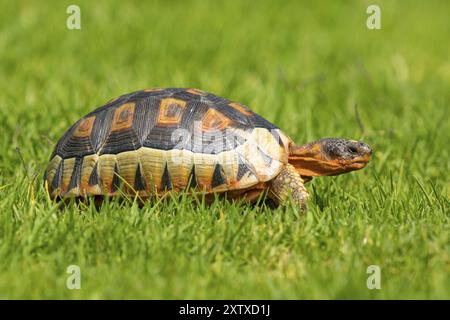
(303, 67)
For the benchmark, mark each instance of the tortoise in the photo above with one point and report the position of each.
(155, 141)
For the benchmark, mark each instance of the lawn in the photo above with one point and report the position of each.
(313, 68)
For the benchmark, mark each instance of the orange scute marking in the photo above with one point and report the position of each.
(196, 91)
(240, 108)
(84, 129)
(170, 111)
(214, 120)
(123, 117)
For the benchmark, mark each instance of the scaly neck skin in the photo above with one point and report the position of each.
(312, 165)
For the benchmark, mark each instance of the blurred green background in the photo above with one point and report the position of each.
(313, 69)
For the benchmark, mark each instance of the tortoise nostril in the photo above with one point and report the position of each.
(365, 148)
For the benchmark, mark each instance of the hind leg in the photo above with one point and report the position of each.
(289, 185)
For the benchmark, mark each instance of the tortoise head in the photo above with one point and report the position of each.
(329, 157)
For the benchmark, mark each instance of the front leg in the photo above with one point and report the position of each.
(289, 184)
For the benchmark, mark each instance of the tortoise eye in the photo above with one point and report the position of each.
(353, 150)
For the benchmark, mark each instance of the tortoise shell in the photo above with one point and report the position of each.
(156, 140)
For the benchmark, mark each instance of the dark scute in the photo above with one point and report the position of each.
(242, 170)
(186, 96)
(76, 147)
(69, 146)
(116, 179)
(93, 178)
(121, 141)
(195, 111)
(139, 180)
(145, 115)
(160, 137)
(62, 141)
(212, 143)
(214, 100)
(101, 128)
(166, 183)
(277, 136)
(192, 178)
(239, 120)
(266, 158)
(56, 182)
(218, 177)
(75, 178)
(259, 122)
(141, 95)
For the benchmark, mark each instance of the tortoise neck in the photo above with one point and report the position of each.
(308, 161)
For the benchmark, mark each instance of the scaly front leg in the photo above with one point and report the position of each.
(289, 184)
